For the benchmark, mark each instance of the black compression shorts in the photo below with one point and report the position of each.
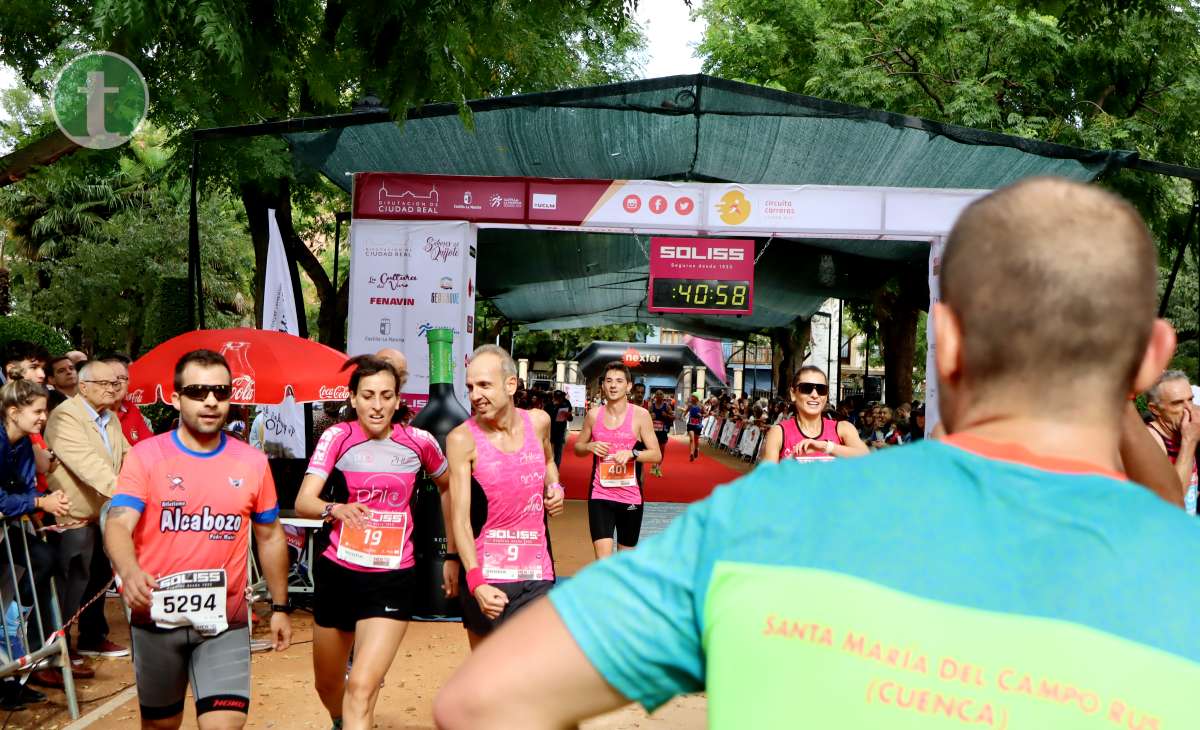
(342, 597)
(520, 594)
(606, 516)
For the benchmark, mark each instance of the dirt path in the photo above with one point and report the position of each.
(282, 689)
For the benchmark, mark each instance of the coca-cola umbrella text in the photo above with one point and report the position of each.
(266, 366)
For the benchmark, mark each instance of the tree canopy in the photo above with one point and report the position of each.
(1108, 74)
(215, 64)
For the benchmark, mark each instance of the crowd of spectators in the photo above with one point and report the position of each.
(67, 425)
(879, 425)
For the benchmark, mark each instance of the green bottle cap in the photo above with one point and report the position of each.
(441, 334)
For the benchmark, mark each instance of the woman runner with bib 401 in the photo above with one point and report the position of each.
(365, 578)
(809, 435)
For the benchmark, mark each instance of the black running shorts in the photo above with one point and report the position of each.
(520, 594)
(606, 516)
(164, 659)
(342, 597)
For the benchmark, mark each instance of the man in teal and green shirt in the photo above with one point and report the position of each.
(1008, 576)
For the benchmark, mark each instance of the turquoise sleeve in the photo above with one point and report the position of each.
(636, 616)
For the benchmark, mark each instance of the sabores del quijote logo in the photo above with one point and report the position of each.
(440, 249)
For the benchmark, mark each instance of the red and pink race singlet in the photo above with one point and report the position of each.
(611, 480)
(380, 473)
(511, 546)
(196, 509)
(792, 436)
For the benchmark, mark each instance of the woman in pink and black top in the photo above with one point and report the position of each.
(809, 435)
(364, 579)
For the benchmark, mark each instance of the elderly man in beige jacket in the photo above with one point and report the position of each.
(85, 434)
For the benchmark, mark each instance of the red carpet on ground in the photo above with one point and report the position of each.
(683, 480)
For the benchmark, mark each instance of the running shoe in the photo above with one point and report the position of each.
(104, 648)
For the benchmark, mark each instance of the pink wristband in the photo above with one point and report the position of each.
(557, 486)
(475, 579)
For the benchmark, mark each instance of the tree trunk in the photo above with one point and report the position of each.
(896, 308)
(789, 346)
(898, 339)
(256, 203)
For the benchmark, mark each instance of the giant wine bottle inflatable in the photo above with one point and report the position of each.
(439, 416)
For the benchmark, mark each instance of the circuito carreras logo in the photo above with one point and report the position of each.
(733, 207)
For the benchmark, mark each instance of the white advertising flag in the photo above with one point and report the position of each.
(279, 429)
(407, 277)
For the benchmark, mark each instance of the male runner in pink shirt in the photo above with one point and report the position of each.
(502, 474)
(611, 433)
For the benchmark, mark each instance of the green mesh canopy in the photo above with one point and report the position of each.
(685, 128)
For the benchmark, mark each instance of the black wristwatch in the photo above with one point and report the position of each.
(454, 557)
(327, 512)
(282, 608)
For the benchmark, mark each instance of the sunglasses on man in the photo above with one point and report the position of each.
(201, 392)
(807, 388)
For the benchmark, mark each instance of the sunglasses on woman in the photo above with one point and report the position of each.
(200, 392)
(807, 388)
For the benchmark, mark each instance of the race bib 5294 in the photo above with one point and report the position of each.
(193, 598)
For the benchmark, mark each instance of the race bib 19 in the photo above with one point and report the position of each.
(378, 545)
(512, 554)
(615, 474)
(193, 598)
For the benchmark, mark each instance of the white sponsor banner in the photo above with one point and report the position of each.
(936, 248)
(407, 277)
(283, 424)
(649, 205)
(782, 208)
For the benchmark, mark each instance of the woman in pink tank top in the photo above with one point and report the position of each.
(810, 436)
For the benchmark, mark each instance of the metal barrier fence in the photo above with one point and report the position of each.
(19, 582)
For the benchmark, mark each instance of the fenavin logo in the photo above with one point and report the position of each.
(99, 100)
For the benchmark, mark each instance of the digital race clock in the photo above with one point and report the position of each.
(692, 294)
(701, 276)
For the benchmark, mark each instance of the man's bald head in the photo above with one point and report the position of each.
(1054, 285)
(397, 360)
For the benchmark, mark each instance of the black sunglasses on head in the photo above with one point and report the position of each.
(806, 388)
(200, 392)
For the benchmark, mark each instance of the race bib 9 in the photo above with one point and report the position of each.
(378, 545)
(512, 554)
(193, 598)
(614, 474)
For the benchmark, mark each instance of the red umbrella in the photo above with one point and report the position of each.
(267, 366)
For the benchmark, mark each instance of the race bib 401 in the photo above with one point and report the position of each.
(617, 474)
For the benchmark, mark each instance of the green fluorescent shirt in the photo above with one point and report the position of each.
(929, 586)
